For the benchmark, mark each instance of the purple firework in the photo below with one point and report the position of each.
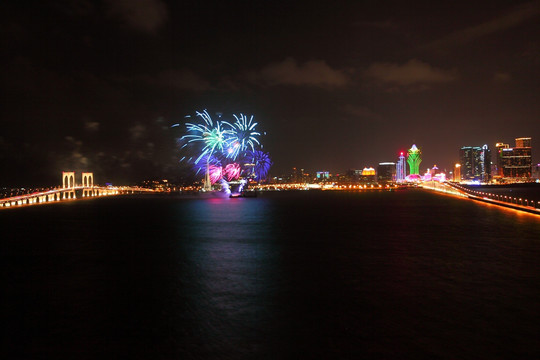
(261, 163)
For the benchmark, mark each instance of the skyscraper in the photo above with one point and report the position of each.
(475, 163)
(515, 162)
(401, 168)
(414, 158)
(469, 159)
(386, 172)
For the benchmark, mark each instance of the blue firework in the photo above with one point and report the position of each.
(261, 163)
(213, 136)
(242, 136)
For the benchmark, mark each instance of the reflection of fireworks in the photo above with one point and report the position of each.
(232, 171)
(212, 135)
(261, 163)
(242, 136)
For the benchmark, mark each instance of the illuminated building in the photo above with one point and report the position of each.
(414, 158)
(368, 171)
(457, 173)
(523, 142)
(368, 175)
(323, 175)
(475, 163)
(498, 171)
(515, 162)
(401, 168)
(536, 172)
(386, 172)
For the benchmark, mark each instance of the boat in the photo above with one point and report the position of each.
(245, 194)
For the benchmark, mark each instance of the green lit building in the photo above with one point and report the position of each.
(414, 158)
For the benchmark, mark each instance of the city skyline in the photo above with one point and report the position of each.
(96, 85)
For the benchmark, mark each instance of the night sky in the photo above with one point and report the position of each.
(96, 85)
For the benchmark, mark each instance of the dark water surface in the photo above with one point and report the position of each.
(299, 275)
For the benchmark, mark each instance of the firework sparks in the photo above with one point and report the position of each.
(213, 136)
(232, 171)
(242, 136)
(220, 147)
(261, 163)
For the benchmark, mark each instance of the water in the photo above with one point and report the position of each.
(404, 274)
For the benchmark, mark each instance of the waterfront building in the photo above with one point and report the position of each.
(536, 172)
(323, 175)
(368, 176)
(475, 163)
(498, 173)
(414, 158)
(386, 172)
(457, 172)
(515, 163)
(401, 168)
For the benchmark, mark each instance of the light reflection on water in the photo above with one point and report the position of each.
(309, 274)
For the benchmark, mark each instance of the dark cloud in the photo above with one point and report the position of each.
(412, 73)
(502, 77)
(137, 131)
(183, 79)
(75, 7)
(91, 126)
(362, 112)
(143, 15)
(289, 72)
(522, 13)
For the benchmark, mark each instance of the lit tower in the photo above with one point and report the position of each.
(414, 158)
(401, 168)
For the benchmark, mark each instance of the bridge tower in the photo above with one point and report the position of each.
(68, 183)
(88, 183)
(68, 179)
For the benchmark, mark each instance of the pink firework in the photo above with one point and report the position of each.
(232, 171)
(215, 172)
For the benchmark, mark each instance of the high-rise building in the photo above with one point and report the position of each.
(498, 173)
(475, 163)
(515, 162)
(457, 172)
(401, 168)
(523, 142)
(414, 158)
(386, 172)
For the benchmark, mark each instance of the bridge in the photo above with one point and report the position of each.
(71, 191)
(516, 203)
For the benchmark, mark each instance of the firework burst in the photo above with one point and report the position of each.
(261, 163)
(232, 171)
(219, 148)
(213, 136)
(242, 136)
